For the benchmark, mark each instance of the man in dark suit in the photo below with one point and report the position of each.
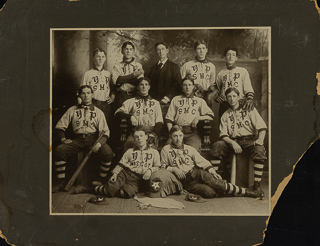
(165, 77)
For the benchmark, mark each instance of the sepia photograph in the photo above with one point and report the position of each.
(156, 121)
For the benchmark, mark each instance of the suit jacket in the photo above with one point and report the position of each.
(167, 82)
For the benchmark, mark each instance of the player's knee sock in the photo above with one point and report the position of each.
(215, 164)
(60, 167)
(232, 189)
(100, 190)
(258, 169)
(104, 168)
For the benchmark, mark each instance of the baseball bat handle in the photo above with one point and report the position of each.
(77, 172)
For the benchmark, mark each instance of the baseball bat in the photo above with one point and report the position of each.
(76, 174)
(233, 170)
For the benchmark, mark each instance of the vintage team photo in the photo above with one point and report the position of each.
(162, 121)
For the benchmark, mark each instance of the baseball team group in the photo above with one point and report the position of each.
(168, 102)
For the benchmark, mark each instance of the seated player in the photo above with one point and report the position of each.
(186, 111)
(201, 70)
(142, 110)
(241, 131)
(87, 123)
(196, 173)
(133, 171)
(233, 76)
(125, 73)
(100, 81)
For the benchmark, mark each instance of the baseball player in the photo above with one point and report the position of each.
(100, 81)
(87, 122)
(195, 172)
(233, 76)
(186, 111)
(241, 131)
(125, 73)
(134, 169)
(202, 71)
(142, 110)
(165, 76)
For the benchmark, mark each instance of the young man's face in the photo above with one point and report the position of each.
(177, 138)
(86, 96)
(162, 52)
(99, 59)
(231, 57)
(201, 51)
(233, 99)
(143, 88)
(140, 138)
(187, 87)
(128, 52)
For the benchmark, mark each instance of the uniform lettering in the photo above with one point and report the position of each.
(236, 76)
(207, 68)
(229, 84)
(145, 111)
(181, 102)
(85, 123)
(93, 115)
(102, 87)
(195, 68)
(236, 84)
(247, 123)
(94, 88)
(134, 155)
(180, 111)
(243, 114)
(95, 79)
(148, 157)
(201, 75)
(107, 78)
(231, 117)
(79, 113)
(239, 124)
(186, 110)
(193, 111)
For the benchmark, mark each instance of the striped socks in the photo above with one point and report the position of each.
(215, 164)
(60, 167)
(104, 168)
(232, 189)
(258, 169)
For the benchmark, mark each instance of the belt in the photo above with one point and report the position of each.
(98, 102)
(245, 138)
(86, 135)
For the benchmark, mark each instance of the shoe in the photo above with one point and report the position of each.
(256, 186)
(254, 193)
(58, 187)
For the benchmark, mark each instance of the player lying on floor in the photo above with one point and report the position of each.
(195, 172)
(186, 111)
(241, 131)
(87, 123)
(142, 110)
(133, 171)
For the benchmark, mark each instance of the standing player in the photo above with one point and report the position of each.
(142, 110)
(134, 169)
(125, 73)
(195, 172)
(202, 71)
(87, 123)
(233, 76)
(186, 111)
(241, 131)
(100, 81)
(165, 77)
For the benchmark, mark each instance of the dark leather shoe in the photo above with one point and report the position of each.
(254, 193)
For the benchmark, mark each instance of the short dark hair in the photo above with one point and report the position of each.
(231, 89)
(124, 45)
(98, 50)
(140, 128)
(197, 43)
(143, 79)
(230, 48)
(163, 43)
(188, 77)
(83, 87)
(175, 128)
